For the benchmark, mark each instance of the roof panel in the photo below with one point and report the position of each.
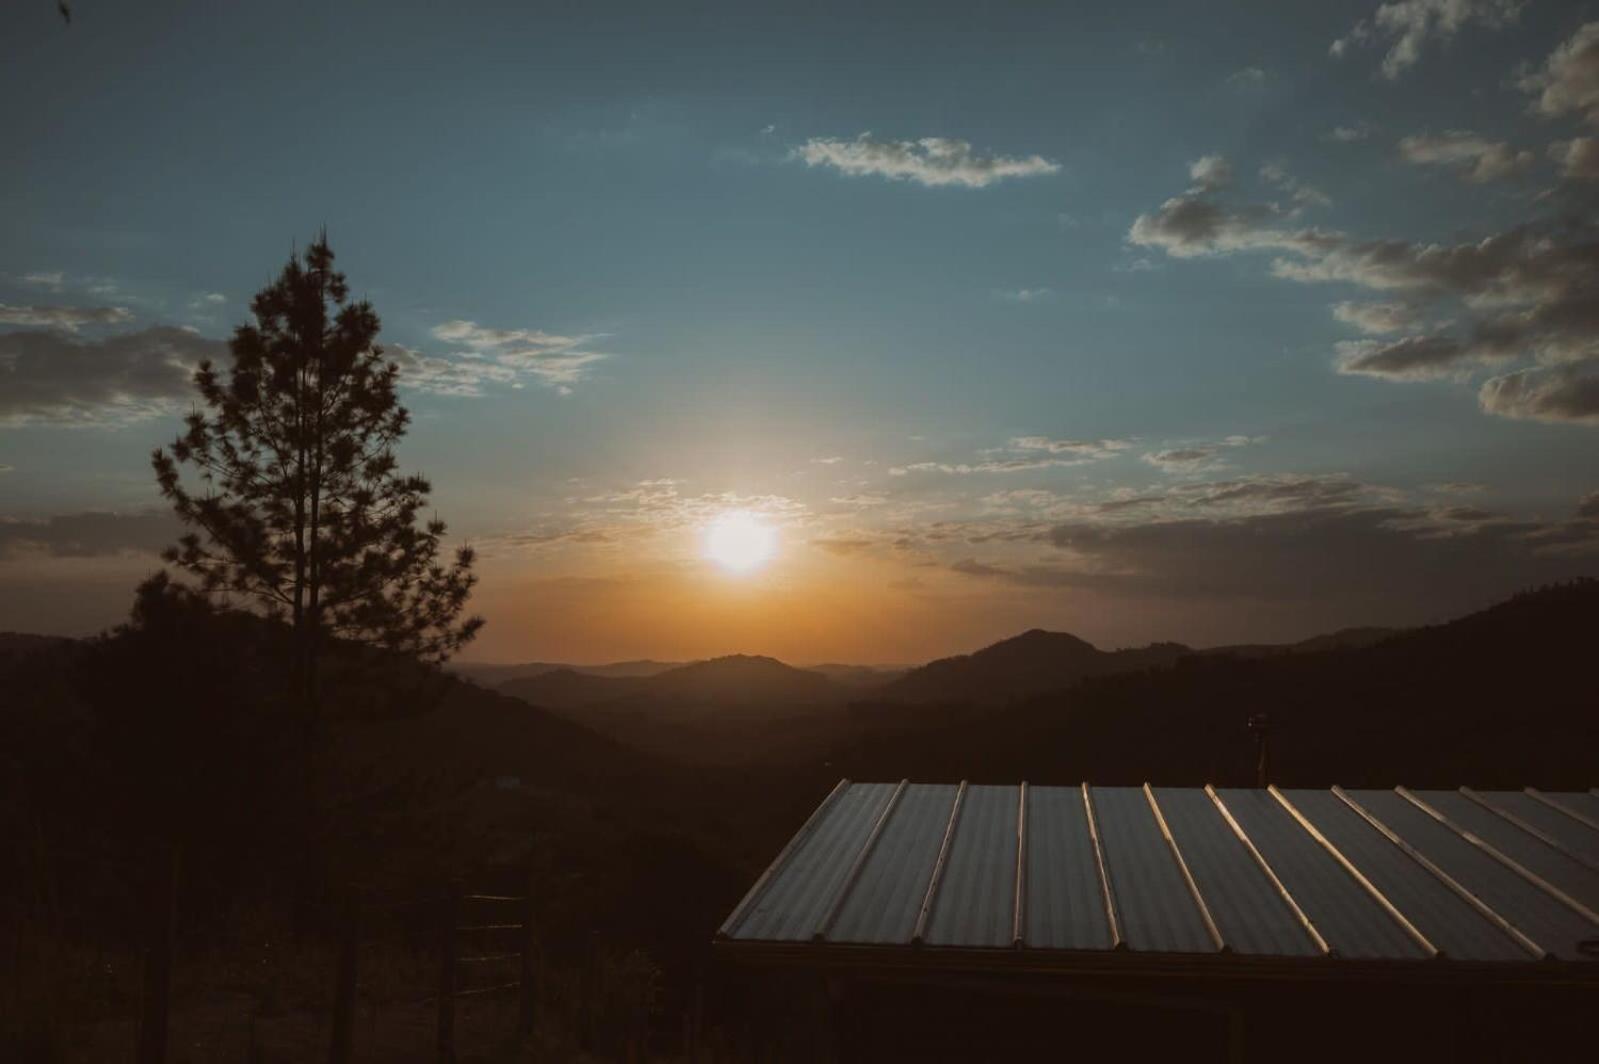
(1576, 837)
(1154, 903)
(1065, 901)
(887, 897)
(1375, 875)
(1528, 908)
(1352, 921)
(975, 904)
(1527, 850)
(1448, 922)
(800, 892)
(1250, 913)
(1580, 805)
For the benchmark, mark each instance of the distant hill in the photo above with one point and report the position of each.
(495, 675)
(1500, 698)
(860, 676)
(1344, 638)
(737, 678)
(1031, 663)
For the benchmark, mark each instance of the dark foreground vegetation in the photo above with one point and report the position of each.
(172, 736)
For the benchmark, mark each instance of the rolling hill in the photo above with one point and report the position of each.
(1031, 663)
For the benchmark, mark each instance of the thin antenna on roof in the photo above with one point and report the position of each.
(1260, 725)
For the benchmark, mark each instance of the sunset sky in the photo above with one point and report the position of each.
(1179, 321)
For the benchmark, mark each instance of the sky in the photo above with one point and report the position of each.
(1159, 321)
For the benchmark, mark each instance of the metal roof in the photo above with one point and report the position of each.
(1308, 877)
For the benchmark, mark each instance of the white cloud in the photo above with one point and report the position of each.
(1545, 393)
(931, 161)
(1024, 453)
(1377, 317)
(1249, 75)
(69, 318)
(1530, 293)
(1407, 25)
(1210, 172)
(1349, 134)
(556, 361)
(1478, 159)
(1569, 79)
(1578, 158)
(1089, 450)
(52, 279)
(1304, 195)
(1027, 295)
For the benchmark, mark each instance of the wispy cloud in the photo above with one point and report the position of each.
(1406, 26)
(1568, 82)
(53, 378)
(1027, 295)
(931, 161)
(555, 361)
(68, 318)
(1476, 158)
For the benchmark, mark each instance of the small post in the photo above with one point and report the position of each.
(450, 916)
(1260, 724)
(529, 985)
(158, 964)
(345, 984)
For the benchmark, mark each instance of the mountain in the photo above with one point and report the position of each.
(494, 675)
(742, 677)
(1031, 663)
(1343, 638)
(1500, 698)
(737, 678)
(860, 676)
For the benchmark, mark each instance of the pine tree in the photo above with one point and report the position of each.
(299, 509)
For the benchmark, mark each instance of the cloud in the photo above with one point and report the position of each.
(1412, 358)
(1024, 453)
(1578, 158)
(52, 279)
(461, 377)
(930, 161)
(1196, 457)
(1377, 317)
(1407, 25)
(1211, 172)
(1349, 134)
(1193, 224)
(1346, 547)
(1529, 293)
(69, 318)
(1249, 75)
(1181, 459)
(1569, 80)
(89, 534)
(1554, 393)
(1087, 450)
(843, 546)
(1304, 195)
(556, 361)
(832, 459)
(1027, 295)
(1478, 160)
(56, 379)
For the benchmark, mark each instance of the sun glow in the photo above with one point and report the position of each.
(739, 541)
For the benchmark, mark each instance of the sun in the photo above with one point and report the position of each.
(739, 541)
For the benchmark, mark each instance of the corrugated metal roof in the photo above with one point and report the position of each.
(1306, 875)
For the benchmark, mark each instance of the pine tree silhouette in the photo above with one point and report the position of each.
(298, 508)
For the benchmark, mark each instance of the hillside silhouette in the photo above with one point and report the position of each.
(1500, 698)
(1031, 663)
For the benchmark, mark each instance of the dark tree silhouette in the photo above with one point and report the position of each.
(299, 509)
